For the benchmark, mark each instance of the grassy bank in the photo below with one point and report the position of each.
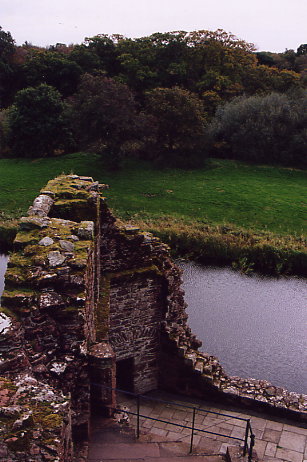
(246, 250)
(228, 206)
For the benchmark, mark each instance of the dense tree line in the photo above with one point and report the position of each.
(172, 98)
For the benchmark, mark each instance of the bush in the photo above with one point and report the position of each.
(37, 125)
(270, 129)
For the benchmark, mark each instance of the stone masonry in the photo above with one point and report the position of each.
(90, 303)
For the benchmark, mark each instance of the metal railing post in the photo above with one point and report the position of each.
(250, 454)
(192, 430)
(246, 437)
(138, 416)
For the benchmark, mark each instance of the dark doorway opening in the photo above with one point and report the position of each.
(124, 374)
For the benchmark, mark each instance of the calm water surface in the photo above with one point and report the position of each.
(3, 265)
(256, 326)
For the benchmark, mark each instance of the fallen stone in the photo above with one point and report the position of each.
(58, 367)
(73, 237)
(27, 223)
(103, 186)
(67, 246)
(41, 206)
(46, 241)
(24, 421)
(10, 411)
(86, 178)
(55, 258)
(86, 230)
(50, 300)
(48, 193)
(270, 391)
(93, 186)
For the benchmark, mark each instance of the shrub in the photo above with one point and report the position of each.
(37, 124)
(270, 128)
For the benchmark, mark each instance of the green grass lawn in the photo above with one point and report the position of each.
(225, 192)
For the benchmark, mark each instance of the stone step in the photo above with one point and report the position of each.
(110, 442)
(163, 459)
(149, 452)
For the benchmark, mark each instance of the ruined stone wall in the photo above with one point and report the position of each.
(82, 292)
(137, 274)
(48, 307)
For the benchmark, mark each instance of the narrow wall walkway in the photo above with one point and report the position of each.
(276, 440)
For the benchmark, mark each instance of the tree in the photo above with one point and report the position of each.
(302, 49)
(37, 125)
(87, 59)
(104, 47)
(104, 116)
(180, 123)
(7, 49)
(52, 68)
(269, 128)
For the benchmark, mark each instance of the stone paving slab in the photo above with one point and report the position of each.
(113, 443)
(124, 451)
(277, 440)
(163, 459)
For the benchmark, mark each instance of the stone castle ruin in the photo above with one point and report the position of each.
(89, 301)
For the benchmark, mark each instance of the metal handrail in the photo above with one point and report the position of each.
(247, 447)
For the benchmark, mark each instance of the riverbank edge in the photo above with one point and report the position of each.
(244, 250)
(8, 231)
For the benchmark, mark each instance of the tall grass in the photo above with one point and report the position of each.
(244, 249)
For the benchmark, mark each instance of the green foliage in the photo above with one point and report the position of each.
(104, 117)
(243, 265)
(104, 47)
(180, 123)
(192, 72)
(270, 128)
(86, 59)
(37, 126)
(7, 49)
(302, 49)
(54, 69)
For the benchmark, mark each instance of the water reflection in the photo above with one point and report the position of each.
(256, 326)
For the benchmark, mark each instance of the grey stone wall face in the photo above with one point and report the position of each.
(135, 317)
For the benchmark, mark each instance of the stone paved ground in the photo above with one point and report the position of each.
(276, 440)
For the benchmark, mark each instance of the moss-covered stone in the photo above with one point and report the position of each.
(74, 209)
(26, 237)
(45, 416)
(7, 312)
(18, 300)
(18, 259)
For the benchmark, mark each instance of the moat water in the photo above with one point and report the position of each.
(256, 326)
(3, 265)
